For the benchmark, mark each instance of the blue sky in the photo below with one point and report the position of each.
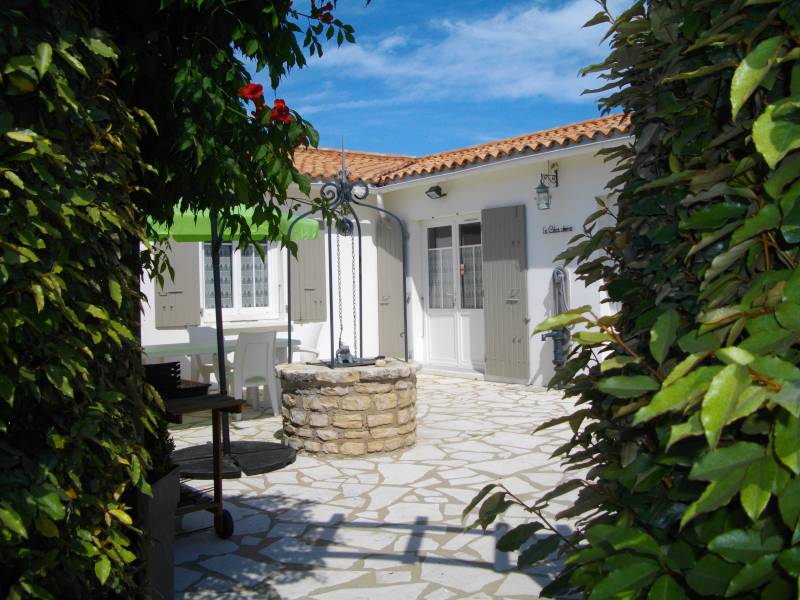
(428, 76)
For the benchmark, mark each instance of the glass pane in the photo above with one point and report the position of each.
(440, 237)
(446, 275)
(470, 234)
(254, 278)
(471, 267)
(225, 275)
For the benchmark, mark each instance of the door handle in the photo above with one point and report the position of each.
(512, 300)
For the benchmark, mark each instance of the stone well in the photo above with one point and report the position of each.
(352, 410)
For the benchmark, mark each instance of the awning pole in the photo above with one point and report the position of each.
(216, 243)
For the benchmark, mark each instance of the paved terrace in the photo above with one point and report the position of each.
(385, 526)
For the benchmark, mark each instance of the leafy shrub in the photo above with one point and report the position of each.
(687, 419)
(111, 113)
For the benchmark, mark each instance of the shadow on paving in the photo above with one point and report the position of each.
(279, 542)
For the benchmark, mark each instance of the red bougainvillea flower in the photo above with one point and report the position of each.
(323, 13)
(252, 91)
(280, 112)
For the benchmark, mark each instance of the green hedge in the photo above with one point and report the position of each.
(111, 113)
(72, 412)
(687, 419)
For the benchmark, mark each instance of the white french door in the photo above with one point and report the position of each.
(454, 304)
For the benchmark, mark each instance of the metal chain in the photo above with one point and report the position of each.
(355, 323)
(339, 281)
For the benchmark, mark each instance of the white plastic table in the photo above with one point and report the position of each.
(196, 348)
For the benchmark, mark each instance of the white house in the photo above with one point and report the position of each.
(480, 255)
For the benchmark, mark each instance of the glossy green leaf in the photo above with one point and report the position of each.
(757, 487)
(789, 503)
(787, 441)
(662, 334)
(591, 338)
(44, 56)
(477, 499)
(665, 588)
(634, 576)
(751, 576)
(719, 403)
(788, 397)
(751, 72)
(115, 290)
(539, 550)
(51, 504)
(717, 494)
(627, 386)
(690, 428)
(618, 361)
(789, 559)
(564, 319)
(715, 464)
(711, 576)
(674, 397)
(102, 568)
(775, 137)
(788, 315)
(683, 367)
(769, 217)
(516, 537)
(744, 546)
(12, 520)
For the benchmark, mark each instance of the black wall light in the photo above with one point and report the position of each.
(543, 196)
(435, 192)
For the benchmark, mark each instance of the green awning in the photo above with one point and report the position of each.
(196, 227)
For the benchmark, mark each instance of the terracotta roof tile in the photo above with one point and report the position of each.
(324, 163)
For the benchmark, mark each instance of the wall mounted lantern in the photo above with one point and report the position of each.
(435, 192)
(543, 196)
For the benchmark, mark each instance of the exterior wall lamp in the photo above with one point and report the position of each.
(435, 192)
(543, 196)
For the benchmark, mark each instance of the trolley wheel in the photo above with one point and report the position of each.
(223, 524)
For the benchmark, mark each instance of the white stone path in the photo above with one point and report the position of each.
(384, 526)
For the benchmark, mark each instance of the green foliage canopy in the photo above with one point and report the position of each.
(687, 415)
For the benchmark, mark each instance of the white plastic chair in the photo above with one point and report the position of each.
(254, 366)
(308, 335)
(204, 365)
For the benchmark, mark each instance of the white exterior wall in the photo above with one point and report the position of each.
(582, 177)
(151, 335)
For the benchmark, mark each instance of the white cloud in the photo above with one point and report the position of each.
(517, 53)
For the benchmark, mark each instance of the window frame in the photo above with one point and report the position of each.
(246, 313)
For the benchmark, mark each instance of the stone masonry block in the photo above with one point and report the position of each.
(380, 419)
(385, 401)
(298, 416)
(373, 388)
(391, 443)
(327, 435)
(356, 435)
(348, 421)
(375, 445)
(353, 448)
(330, 447)
(384, 432)
(337, 390)
(305, 432)
(319, 419)
(405, 398)
(313, 446)
(321, 402)
(355, 402)
(404, 415)
(295, 443)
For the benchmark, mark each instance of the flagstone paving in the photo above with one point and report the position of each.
(383, 526)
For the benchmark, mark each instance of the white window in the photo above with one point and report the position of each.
(249, 285)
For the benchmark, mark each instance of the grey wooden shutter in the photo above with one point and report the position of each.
(505, 305)
(177, 303)
(309, 292)
(389, 244)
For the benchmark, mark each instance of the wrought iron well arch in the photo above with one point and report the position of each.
(342, 194)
